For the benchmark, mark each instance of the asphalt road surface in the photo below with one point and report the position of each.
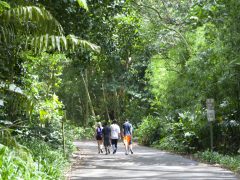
(145, 163)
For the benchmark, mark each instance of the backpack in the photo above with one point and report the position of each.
(99, 131)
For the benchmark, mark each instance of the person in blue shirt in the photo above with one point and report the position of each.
(127, 130)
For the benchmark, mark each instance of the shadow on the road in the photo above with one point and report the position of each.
(145, 163)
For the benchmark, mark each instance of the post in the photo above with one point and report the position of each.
(63, 135)
(211, 135)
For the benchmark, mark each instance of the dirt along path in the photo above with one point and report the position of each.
(145, 163)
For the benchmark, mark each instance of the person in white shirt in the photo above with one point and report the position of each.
(115, 135)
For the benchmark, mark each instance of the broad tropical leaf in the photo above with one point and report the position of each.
(3, 6)
(83, 4)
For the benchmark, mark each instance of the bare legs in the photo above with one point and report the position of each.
(107, 149)
(100, 146)
(128, 145)
(130, 148)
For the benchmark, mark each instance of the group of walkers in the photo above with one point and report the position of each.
(108, 136)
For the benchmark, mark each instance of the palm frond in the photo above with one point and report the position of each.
(39, 16)
(7, 34)
(19, 21)
(60, 43)
(75, 41)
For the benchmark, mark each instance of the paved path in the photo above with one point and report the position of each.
(145, 163)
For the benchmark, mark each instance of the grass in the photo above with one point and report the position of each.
(226, 161)
(231, 162)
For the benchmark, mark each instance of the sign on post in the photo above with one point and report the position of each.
(210, 117)
(210, 110)
(1, 102)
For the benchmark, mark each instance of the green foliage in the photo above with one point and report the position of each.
(108, 77)
(82, 133)
(230, 162)
(40, 77)
(49, 110)
(150, 130)
(49, 161)
(193, 64)
(41, 84)
(170, 143)
(182, 136)
(36, 15)
(3, 6)
(59, 43)
(159, 62)
(83, 4)
(15, 164)
(37, 28)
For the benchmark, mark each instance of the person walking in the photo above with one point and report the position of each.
(99, 138)
(115, 135)
(106, 137)
(127, 136)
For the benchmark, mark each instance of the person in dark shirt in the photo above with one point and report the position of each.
(106, 137)
(127, 136)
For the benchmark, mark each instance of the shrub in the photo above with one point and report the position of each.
(83, 133)
(18, 164)
(170, 144)
(48, 160)
(149, 131)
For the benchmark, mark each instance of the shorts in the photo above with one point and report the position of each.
(99, 138)
(106, 141)
(127, 139)
(114, 141)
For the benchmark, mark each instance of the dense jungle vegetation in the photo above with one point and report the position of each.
(66, 64)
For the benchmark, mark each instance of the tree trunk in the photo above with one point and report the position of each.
(116, 106)
(105, 101)
(89, 101)
(80, 109)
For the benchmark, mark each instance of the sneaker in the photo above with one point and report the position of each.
(126, 153)
(131, 151)
(114, 151)
(101, 151)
